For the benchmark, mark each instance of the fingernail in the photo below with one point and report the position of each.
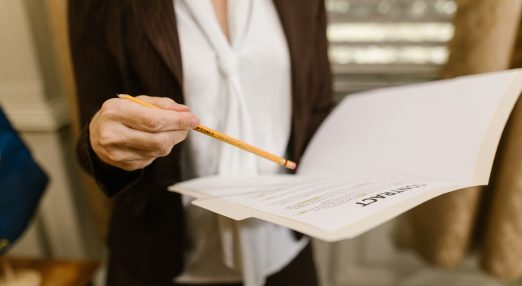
(181, 107)
(194, 122)
(178, 108)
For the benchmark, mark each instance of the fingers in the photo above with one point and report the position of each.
(149, 119)
(131, 149)
(153, 144)
(130, 136)
(164, 103)
(124, 158)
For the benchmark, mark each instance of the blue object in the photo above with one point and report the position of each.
(22, 183)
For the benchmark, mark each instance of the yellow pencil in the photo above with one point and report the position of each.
(225, 138)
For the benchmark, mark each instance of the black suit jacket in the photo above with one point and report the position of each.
(132, 46)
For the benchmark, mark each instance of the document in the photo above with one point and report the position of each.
(379, 154)
(325, 203)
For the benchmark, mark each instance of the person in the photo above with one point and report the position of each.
(254, 69)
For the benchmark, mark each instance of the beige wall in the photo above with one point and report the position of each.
(36, 91)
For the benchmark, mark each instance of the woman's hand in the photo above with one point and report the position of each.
(130, 136)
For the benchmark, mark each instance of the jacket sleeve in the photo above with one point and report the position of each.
(323, 96)
(98, 78)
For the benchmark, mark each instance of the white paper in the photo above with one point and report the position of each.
(421, 141)
(326, 203)
(430, 131)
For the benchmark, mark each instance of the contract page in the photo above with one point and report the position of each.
(326, 203)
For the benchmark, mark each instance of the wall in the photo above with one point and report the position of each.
(35, 87)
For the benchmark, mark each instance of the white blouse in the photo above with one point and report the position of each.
(241, 87)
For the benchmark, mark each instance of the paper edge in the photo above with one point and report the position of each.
(490, 143)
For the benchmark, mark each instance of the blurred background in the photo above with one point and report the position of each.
(373, 44)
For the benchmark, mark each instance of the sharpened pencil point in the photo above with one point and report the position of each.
(290, 165)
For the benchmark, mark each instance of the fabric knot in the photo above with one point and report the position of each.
(228, 65)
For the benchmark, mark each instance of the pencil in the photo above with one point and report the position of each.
(225, 138)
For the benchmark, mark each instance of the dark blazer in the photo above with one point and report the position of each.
(132, 46)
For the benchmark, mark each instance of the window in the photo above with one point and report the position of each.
(377, 43)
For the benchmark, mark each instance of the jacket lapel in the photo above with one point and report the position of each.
(287, 17)
(159, 22)
(286, 11)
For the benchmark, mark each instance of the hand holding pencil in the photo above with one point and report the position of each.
(165, 122)
(131, 136)
(227, 139)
